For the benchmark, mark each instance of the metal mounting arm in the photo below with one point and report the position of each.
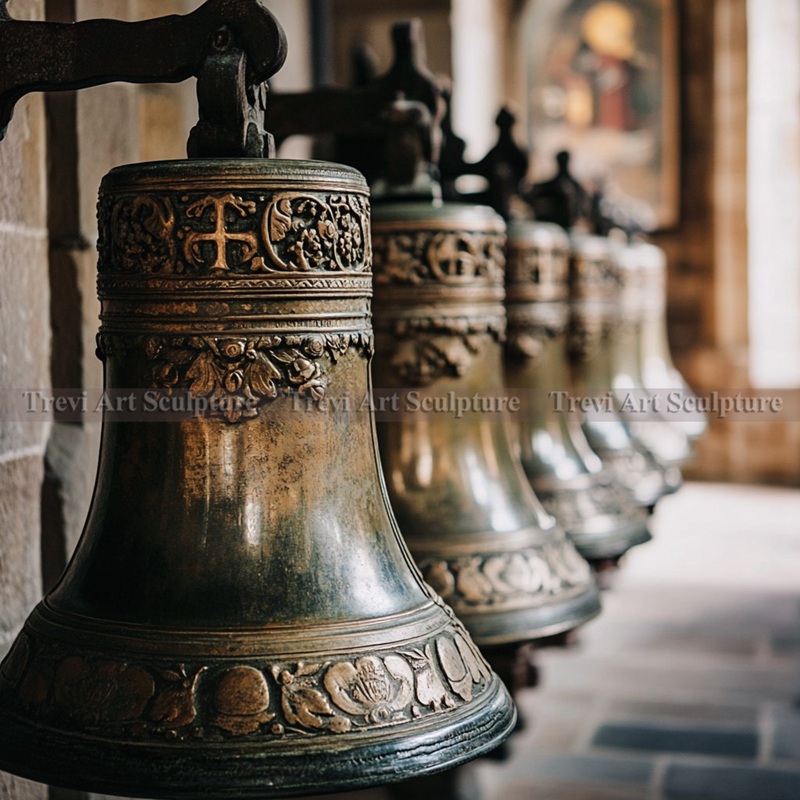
(50, 56)
(389, 127)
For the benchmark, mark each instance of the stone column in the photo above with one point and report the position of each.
(24, 361)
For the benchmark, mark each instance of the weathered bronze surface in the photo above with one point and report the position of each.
(597, 513)
(641, 298)
(596, 319)
(466, 510)
(241, 616)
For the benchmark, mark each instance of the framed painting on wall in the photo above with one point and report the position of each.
(602, 82)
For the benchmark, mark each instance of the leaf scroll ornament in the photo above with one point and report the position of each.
(304, 233)
(303, 703)
(238, 375)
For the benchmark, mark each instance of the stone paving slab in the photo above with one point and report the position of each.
(584, 768)
(624, 709)
(785, 733)
(565, 790)
(722, 782)
(665, 737)
(682, 679)
(697, 652)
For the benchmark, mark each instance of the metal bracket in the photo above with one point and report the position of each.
(389, 127)
(504, 167)
(234, 46)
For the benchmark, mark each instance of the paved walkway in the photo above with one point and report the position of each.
(687, 686)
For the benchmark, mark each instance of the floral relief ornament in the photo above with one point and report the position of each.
(240, 374)
(182, 704)
(447, 257)
(504, 579)
(234, 234)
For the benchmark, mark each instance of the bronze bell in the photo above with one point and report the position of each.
(597, 513)
(596, 316)
(645, 412)
(658, 374)
(241, 616)
(466, 510)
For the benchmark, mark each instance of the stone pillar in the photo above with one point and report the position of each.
(477, 67)
(24, 361)
(773, 204)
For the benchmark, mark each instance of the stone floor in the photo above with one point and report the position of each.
(687, 687)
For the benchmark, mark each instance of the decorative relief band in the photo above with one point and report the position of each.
(634, 470)
(590, 329)
(243, 233)
(126, 698)
(531, 326)
(594, 279)
(239, 375)
(543, 271)
(573, 507)
(505, 581)
(427, 349)
(359, 285)
(451, 258)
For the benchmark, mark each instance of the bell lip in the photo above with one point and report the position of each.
(254, 172)
(488, 630)
(597, 545)
(604, 534)
(428, 752)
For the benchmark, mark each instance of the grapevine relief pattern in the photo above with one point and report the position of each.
(234, 234)
(214, 702)
(448, 257)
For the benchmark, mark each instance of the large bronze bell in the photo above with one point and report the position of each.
(645, 412)
(241, 616)
(465, 508)
(596, 319)
(658, 373)
(597, 513)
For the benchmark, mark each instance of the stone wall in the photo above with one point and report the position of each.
(51, 162)
(24, 361)
(710, 271)
(56, 152)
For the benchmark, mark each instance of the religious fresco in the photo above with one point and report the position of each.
(601, 78)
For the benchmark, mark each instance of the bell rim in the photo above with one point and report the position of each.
(203, 174)
(439, 748)
(599, 545)
(532, 624)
